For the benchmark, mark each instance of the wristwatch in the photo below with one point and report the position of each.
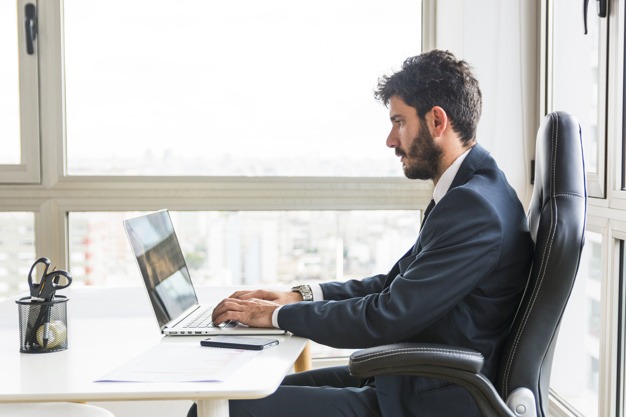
(305, 291)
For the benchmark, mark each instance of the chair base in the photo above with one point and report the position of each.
(522, 402)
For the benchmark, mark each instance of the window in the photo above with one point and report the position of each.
(9, 86)
(17, 251)
(245, 88)
(257, 248)
(578, 80)
(584, 77)
(19, 114)
(579, 335)
(255, 119)
(253, 247)
(124, 125)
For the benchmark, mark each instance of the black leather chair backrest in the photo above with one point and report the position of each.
(556, 218)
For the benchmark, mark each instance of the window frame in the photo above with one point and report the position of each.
(596, 180)
(606, 212)
(28, 170)
(58, 193)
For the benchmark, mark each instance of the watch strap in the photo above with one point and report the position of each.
(305, 291)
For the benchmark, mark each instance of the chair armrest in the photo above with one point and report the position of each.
(456, 365)
(404, 358)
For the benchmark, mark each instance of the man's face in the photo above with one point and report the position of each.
(412, 141)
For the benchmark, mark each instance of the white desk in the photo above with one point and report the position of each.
(107, 328)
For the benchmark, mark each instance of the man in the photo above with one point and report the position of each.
(460, 283)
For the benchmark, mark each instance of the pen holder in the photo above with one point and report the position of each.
(43, 325)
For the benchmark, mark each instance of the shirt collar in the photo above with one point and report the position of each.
(448, 176)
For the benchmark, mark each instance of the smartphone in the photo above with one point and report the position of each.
(239, 342)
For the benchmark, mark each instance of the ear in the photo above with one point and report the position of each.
(437, 119)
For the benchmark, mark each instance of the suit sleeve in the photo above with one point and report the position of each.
(353, 288)
(357, 287)
(458, 246)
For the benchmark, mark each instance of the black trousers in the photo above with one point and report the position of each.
(326, 392)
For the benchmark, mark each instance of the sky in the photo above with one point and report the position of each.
(246, 79)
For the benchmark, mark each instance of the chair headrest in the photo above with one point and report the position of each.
(554, 179)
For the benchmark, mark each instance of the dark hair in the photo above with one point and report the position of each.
(437, 78)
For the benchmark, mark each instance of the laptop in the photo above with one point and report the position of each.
(170, 289)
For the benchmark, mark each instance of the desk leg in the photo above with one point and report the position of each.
(304, 361)
(212, 407)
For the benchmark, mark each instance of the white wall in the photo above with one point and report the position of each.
(501, 41)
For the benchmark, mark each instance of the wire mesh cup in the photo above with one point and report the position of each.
(43, 325)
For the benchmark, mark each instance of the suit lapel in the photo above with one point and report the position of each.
(472, 162)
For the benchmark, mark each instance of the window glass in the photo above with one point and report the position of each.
(272, 88)
(17, 252)
(261, 249)
(9, 85)
(579, 335)
(250, 248)
(577, 74)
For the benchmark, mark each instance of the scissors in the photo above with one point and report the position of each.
(45, 287)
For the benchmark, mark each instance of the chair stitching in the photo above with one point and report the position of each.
(543, 260)
(457, 353)
(569, 195)
(536, 289)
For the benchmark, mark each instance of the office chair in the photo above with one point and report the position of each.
(556, 219)
(53, 410)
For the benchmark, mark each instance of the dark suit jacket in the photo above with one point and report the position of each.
(460, 284)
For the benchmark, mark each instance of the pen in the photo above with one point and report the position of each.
(48, 311)
(46, 327)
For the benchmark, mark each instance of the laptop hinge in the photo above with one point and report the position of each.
(181, 317)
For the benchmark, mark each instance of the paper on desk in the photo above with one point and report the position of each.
(181, 362)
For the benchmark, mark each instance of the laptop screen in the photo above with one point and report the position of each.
(162, 264)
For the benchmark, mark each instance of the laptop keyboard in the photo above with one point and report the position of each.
(204, 321)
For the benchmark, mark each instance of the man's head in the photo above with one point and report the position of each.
(437, 78)
(434, 104)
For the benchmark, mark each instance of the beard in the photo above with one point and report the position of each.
(423, 157)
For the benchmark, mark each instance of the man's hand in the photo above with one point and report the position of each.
(278, 297)
(252, 312)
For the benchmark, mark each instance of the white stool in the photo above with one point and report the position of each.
(52, 410)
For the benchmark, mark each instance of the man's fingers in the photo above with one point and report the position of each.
(240, 294)
(254, 312)
(227, 305)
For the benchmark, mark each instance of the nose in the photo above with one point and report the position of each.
(392, 140)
